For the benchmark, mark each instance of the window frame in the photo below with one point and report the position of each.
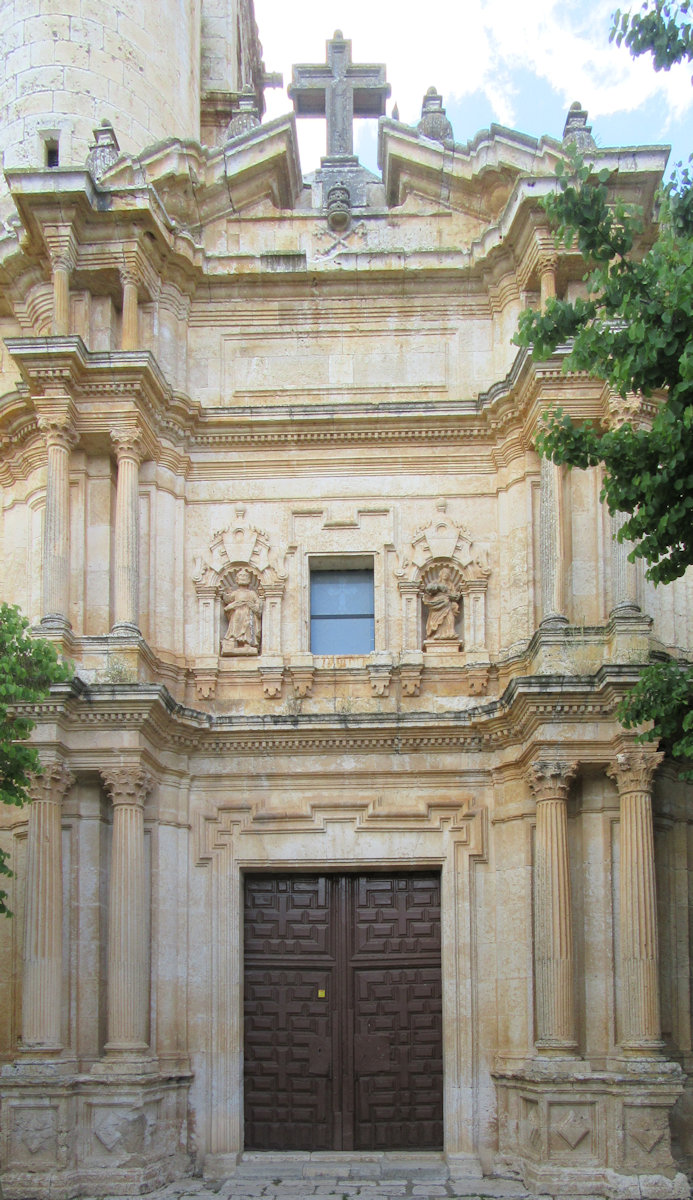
(321, 563)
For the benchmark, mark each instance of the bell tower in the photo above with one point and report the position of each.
(149, 78)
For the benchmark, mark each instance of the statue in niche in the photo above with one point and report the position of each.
(243, 607)
(442, 599)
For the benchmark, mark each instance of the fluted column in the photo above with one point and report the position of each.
(63, 264)
(127, 530)
(43, 915)
(128, 956)
(623, 572)
(548, 281)
(553, 934)
(550, 545)
(633, 773)
(130, 330)
(60, 438)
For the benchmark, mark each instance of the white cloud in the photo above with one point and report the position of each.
(463, 48)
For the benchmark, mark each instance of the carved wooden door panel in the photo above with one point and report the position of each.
(343, 1041)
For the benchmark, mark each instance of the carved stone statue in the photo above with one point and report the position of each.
(243, 607)
(442, 600)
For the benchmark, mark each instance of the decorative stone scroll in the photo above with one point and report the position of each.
(239, 594)
(443, 587)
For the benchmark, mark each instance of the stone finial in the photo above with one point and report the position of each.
(434, 123)
(246, 115)
(103, 152)
(576, 131)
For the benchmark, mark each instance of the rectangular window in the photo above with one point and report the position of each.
(52, 152)
(341, 611)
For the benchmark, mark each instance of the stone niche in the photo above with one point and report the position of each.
(443, 584)
(239, 598)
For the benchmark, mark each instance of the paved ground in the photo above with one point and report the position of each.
(344, 1177)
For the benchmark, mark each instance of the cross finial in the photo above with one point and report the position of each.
(339, 90)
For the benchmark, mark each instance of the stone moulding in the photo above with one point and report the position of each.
(527, 704)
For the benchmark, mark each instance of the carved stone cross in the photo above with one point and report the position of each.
(339, 90)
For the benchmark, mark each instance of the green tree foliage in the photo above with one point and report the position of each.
(634, 328)
(28, 667)
(662, 29)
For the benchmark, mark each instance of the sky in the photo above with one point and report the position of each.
(520, 64)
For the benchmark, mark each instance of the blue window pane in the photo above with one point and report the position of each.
(341, 609)
(346, 593)
(342, 635)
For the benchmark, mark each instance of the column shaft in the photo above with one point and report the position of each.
(61, 300)
(548, 284)
(130, 331)
(128, 957)
(550, 549)
(127, 534)
(553, 949)
(623, 587)
(56, 530)
(43, 917)
(640, 1013)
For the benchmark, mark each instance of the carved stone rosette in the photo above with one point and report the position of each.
(553, 933)
(633, 772)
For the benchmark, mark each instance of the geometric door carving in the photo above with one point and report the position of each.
(342, 1012)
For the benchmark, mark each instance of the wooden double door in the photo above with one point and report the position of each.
(342, 1012)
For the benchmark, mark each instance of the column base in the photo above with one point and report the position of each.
(627, 608)
(557, 1050)
(583, 1132)
(90, 1136)
(126, 1061)
(553, 621)
(125, 629)
(57, 622)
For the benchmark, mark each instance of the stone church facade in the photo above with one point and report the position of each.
(338, 843)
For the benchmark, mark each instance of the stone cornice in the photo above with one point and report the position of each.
(120, 387)
(531, 712)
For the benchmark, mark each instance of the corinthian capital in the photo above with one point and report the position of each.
(58, 431)
(128, 444)
(633, 771)
(550, 779)
(624, 409)
(53, 784)
(127, 785)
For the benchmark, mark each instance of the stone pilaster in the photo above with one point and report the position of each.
(128, 955)
(43, 927)
(127, 531)
(553, 934)
(130, 328)
(550, 545)
(60, 438)
(632, 772)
